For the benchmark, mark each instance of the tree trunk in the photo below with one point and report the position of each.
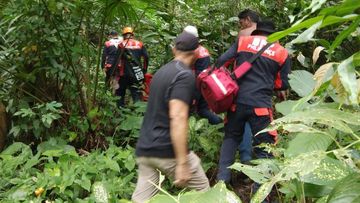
(3, 126)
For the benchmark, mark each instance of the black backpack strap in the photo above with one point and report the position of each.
(254, 57)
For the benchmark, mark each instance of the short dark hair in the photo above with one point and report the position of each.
(254, 16)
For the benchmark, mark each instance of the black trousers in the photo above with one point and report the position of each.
(135, 90)
(259, 119)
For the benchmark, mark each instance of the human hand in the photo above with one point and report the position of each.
(182, 175)
(282, 95)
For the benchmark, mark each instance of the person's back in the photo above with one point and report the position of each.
(162, 145)
(112, 48)
(133, 66)
(154, 134)
(257, 85)
(138, 52)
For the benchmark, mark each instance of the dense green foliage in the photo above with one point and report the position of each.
(79, 145)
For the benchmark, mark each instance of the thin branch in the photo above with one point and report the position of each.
(67, 54)
(26, 92)
(31, 85)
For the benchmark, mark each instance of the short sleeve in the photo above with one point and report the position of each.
(183, 88)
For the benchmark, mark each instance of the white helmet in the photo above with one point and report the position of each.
(191, 30)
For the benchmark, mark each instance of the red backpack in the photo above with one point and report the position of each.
(218, 90)
(219, 87)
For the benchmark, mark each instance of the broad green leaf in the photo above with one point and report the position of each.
(305, 142)
(234, 33)
(323, 74)
(19, 194)
(322, 200)
(302, 82)
(32, 162)
(262, 192)
(307, 34)
(285, 107)
(205, 143)
(346, 190)
(347, 157)
(93, 112)
(130, 163)
(341, 95)
(192, 123)
(356, 59)
(312, 190)
(60, 150)
(331, 117)
(316, 54)
(259, 173)
(303, 60)
(347, 74)
(84, 182)
(306, 24)
(200, 124)
(100, 192)
(14, 148)
(344, 34)
(52, 171)
(111, 164)
(329, 172)
(131, 122)
(345, 8)
(330, 20)
(299, 166)
(219, 193)
(300, 128)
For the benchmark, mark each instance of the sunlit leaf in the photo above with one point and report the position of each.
(323, 74)
(302, 59)
(301, 82)
(219, 193)
(344, 34)
(299, 166)
(307, 34)
(316, 54)
(100, 192)
(347, 190)
(308, 142)
(346, 70)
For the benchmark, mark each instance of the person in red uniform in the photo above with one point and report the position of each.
(110, 53)
(135, 55)
(248, 20)
(202, 62)
(253, 105)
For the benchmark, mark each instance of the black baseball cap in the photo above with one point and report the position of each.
(186, 42)
(264, 26)
(113, 32)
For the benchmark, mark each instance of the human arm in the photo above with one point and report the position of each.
(179, 113)
(201, 64)
(227, 57)
(181, 97)
(281, 81)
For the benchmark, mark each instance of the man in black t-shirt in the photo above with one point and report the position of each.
(162, 145)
